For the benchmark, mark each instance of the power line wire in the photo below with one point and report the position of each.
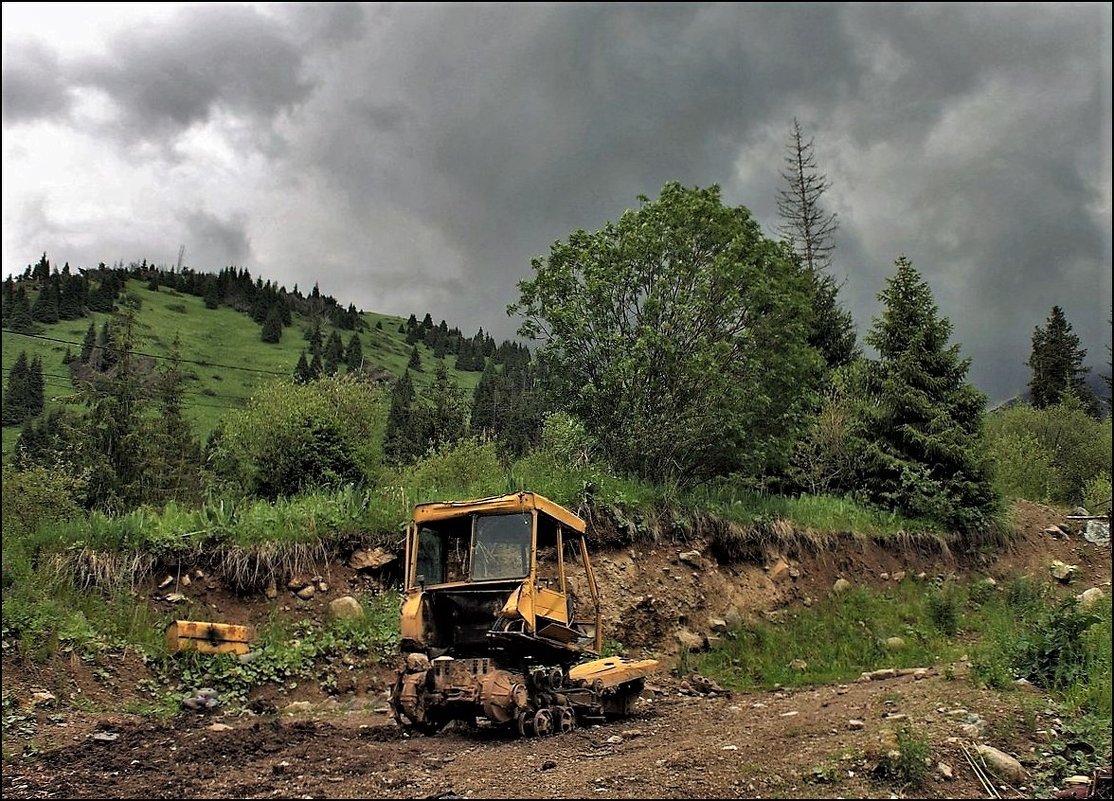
(114, 349)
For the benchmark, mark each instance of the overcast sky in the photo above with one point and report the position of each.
(414, 158)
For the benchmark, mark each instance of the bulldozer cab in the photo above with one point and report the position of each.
(510, 573)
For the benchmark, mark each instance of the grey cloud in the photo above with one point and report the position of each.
(216, 241)
(429, 151)
(33, 85)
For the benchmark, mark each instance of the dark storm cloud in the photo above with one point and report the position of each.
(216, 241)
(429, 151)
(33, 84)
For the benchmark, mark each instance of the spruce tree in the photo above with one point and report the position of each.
(446, 410)
(316, 368)
(1056, 363)
(811, 230)
(36, 387)
(354, 355)
(334, 354)
(301, 370)
(17, 399)
(485, 401)
(272, 326)
(399, 442)
(20, 320)
(88, 343)
(415, 362)
(923, 428)
(173, 455)
(45, 307)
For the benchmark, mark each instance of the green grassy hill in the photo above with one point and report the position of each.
(224, 358)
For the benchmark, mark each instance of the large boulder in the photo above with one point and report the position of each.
(345, 608)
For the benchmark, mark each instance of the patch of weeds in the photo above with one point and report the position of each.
(943, 611)
(613, 648)
(907, 764)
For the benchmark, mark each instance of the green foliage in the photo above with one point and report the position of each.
(1049, 455)
(679, 336)
(830, 455)
(944, 611)
(38, 496)
(286, 654)
(907, 763)
(468, 468)
(292, 437)
(924, 452)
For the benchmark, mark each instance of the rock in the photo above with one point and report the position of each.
(1079, 511)
(548, 764)
(416, 662)
(220, 727)
(895, 643)
(972, 731)
(280, 767)
(798, 665)
(794, 573)
(297, 582)
(898, 576)
(921, 576)
(345, 608)
(106, 736)
(186, 581)
(1001, 764)
(807, 600)
(614, 739)
(1061, 571)
(322, 586)
(272, 591)
(882, 675)
(42, 697)
(920, 673)
(166, 582)
(207, 692)
(692, 558)
(689, 641)
(372, 559)
(199, 574)
(841, 585)
(944, 770)
(248, 658)
(855, 725)
(296, 707)
(703, 684)
(884, 576)
(1089, 598)
(175, 597)
(789, 714)
(717, 624)
(1097, 532)
(729, 748)
(306, 592)
(1055, 532)
(780, 571)
(631, 733)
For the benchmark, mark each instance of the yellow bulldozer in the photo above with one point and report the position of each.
(492, 627)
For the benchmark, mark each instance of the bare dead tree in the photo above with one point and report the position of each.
(810, 229)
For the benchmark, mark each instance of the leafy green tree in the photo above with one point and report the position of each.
(1056, 363)
(444, 412)
(679, 335)
(923, 448)
(354, 354)
(272, 326)
(291, 438)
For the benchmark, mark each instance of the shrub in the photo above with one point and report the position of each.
(292, 437)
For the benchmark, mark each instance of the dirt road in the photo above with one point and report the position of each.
(776, 744)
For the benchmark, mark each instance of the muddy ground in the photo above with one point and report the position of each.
(795, 743)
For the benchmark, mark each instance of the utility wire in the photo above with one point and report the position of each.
(114, 349)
